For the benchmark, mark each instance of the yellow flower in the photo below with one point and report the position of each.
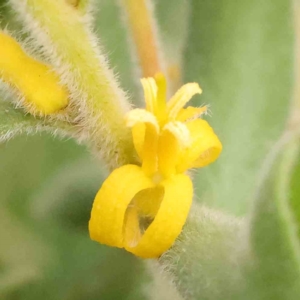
(38, 86)
(143, 208)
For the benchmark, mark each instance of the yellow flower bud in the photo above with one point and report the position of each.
(37, 84)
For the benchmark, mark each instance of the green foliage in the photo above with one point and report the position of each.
(274, 237)
(47, 187)
(235, 50)
(68, 196)
(294, 189)
(46, 251)
(241, 53)
(18, 268)
(219, 257)
(14, 121)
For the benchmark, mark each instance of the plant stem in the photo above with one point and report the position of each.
(205, 260)
(73, 49)
(143, 28)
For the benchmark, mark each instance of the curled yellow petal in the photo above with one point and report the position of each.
(168, 222)
(120, 204)
(142, 209)
(205, 146)
(145, 130)
(168, 154)
(137, 120)
(39, 86)
(131, 231)
(174, 138)
(182, 96)
(148, 201)
(111, 202)
(138, 115)
(138, 137)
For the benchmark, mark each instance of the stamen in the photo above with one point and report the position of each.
(161, 97)
(150, 93)
(182, 96)
(138, 115)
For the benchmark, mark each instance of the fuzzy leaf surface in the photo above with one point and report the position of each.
(16, 121)
(274, 237)
(241, 53)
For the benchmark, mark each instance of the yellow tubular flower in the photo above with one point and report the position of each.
(143, 208)
(34, 80)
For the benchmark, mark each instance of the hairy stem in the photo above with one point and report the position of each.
(74, 52)
(205, 261)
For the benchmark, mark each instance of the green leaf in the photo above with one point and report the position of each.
(18, 268)
(14, 121)
(274, 234)
(241, 53)
(67, 265)
(68, 196)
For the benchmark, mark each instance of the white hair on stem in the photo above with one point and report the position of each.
(64, 36)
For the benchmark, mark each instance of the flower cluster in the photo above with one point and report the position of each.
(143, 208)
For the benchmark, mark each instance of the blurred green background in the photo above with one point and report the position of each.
(47, 187)
(240, 52)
